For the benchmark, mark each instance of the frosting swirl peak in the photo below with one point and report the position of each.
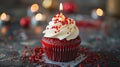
(61, 27)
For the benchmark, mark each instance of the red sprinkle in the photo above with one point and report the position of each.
(55, 31)
(56, 27)
(70, 20)
(54, 16)
(58, 30)
(47, 28)
(66, 18)
(56, 19)
(59, 26)
(67, 32)
(81, 65)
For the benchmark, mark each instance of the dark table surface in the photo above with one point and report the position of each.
(12, 46)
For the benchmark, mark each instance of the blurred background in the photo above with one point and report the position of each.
(20, 7)
(22, 23)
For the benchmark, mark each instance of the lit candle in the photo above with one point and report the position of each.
(61, 7)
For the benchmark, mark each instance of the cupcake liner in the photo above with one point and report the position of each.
(61, 53)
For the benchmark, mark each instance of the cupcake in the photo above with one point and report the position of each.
(61, 39)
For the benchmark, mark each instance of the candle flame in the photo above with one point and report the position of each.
(61, 7)
(3, 16)
(99, 12)
(34, 8)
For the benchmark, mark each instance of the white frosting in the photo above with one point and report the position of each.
(61, 28)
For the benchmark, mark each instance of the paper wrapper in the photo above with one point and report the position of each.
(61, 53)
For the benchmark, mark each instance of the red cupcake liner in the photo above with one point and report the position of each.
(61, 53)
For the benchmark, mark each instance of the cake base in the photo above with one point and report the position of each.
(65, 64)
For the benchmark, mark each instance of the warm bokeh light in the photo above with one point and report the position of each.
(47, 3)
(39, 17)
(34, 8)
(99, 12)
(3, 30)
(38, 30)
(61, 7)
(3, 16)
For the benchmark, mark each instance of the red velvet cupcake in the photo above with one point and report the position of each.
(61, 40)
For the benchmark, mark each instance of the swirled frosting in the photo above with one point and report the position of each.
(61, 27)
